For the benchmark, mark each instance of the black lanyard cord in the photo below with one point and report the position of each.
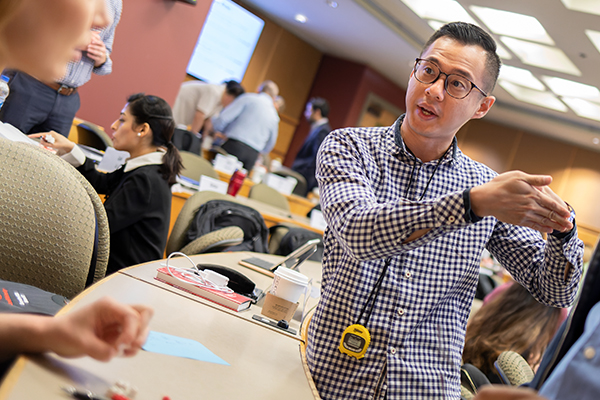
(430, 177)
(373, 295)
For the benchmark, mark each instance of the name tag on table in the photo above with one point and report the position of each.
(112, 160)
(212, 184)
(284, 185)
(227, 164)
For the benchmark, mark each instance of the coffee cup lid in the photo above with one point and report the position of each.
(292, 275)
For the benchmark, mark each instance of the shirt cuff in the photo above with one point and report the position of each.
(469, 214)
(566, 236)
(75, 157)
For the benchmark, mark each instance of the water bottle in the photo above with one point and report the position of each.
(236, 182)
(4, 90)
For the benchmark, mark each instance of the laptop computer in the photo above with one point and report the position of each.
(291, 261)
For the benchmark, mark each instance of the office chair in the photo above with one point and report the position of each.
(53, 232)
(92, 135)
(212, 241)
(185, 140)
(300, 188)
(513, 368)
(195, 166)
(266, 194)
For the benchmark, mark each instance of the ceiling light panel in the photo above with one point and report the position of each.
(586, 6)
(542, 99)
(583, 108)
(542, 56)
(594, 36)
(440, 10)
(568, 88)
(521, 76)
(512, 24)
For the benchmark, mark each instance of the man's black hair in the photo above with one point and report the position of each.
(234, 88)
(319, 103)
(472, 35)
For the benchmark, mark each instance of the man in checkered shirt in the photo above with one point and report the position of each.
(407, 197)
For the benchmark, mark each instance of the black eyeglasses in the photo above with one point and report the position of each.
(456, 86)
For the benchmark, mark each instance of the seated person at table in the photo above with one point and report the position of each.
(513, 320)
(138, 195)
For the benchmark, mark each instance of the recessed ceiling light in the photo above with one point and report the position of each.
(512, 24)
(435, 25)
(332, 4)
(594, 36)
(565, 87)
(502, 52)
(539, 55)
(596, 140)
(583, 108)
(520, 76)
(542, 99)
(300, 18)
(586, 6)
(441, 10)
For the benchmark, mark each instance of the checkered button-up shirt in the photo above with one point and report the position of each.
(370, 188)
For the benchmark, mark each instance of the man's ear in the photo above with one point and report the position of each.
(484, 107)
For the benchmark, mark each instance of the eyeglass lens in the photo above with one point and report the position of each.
(456, 85)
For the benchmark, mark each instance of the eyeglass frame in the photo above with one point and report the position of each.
(418, 60)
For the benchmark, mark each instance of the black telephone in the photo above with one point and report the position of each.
(238, 282)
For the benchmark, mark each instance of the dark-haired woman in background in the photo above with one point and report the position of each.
(138, 195)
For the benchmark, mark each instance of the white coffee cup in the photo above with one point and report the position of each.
(289, 284)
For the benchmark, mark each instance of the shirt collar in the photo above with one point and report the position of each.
(154, 158)
(400, 146)
(318, 123)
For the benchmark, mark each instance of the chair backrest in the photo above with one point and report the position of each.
(195, 165)
(177, 238)
(185, 140)
(48, 222)
(300, 188)
(92, 135)
(266, 194)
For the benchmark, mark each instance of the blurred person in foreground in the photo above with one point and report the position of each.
(54, 31)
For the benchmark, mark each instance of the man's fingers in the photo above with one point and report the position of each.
(537, 180)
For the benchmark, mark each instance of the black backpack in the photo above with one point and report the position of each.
(217, 214)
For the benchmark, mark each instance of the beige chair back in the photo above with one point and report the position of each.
(48, 222)
(195, 166)
(266, 194)
(177, 238)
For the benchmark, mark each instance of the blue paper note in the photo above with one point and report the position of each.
(163, 343)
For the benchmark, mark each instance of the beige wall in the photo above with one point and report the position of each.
(575, 171)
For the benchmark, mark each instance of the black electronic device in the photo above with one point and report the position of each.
(238, 282)
(276, 324)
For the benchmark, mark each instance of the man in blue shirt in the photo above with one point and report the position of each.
(250, 124)
(42, 106)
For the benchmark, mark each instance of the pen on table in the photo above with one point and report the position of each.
(87, 395)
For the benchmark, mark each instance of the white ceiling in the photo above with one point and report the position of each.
(387, 35)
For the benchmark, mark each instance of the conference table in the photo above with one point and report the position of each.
(264, 361)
